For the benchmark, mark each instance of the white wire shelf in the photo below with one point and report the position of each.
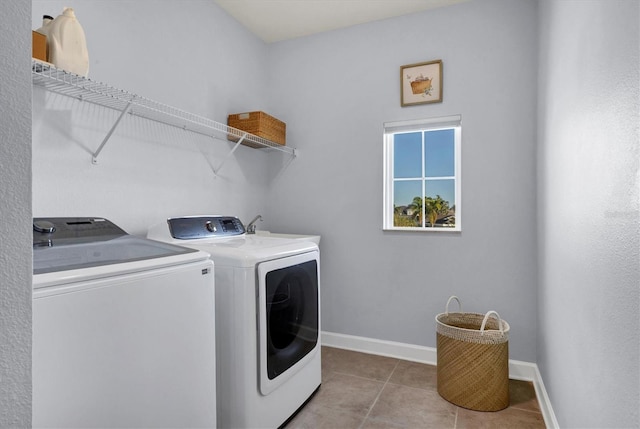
(69, 84)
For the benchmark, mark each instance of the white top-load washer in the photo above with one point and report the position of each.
(267, 318)
(123, 329)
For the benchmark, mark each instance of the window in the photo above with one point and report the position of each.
(422, 175)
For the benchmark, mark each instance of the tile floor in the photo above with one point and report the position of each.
(373, 392)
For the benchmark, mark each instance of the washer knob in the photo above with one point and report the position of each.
(44, 226)
(210, 226)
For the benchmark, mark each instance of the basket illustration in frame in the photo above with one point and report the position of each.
(421, 83)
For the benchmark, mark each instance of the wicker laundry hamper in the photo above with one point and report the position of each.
(473, 359)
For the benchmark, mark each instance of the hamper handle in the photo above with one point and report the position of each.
(486, 317)
(446, 309)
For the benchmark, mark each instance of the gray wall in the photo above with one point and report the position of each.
(188, 54)
(15, 215)
(589, 342)
(336, 90)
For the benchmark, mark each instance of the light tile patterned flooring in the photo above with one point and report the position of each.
(373, 392)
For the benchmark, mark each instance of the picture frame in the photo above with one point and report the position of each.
(421, 83)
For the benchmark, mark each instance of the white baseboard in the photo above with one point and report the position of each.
(518, 370)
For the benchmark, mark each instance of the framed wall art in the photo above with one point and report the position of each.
(421, 83)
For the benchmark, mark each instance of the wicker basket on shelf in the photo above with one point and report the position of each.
(259, 124)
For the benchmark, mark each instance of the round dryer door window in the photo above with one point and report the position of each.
(289, 317)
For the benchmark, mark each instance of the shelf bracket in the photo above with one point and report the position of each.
(226, 158)
(94, 159)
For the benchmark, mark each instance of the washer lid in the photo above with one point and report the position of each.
(62, 244)
(126, 248)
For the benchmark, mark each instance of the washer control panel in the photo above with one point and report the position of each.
(192, 227)
(70, 230)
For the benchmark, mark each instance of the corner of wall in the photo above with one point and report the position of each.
(15, 212)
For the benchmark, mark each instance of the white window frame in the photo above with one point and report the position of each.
(432, 124)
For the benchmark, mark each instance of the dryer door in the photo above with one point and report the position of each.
(289, 316)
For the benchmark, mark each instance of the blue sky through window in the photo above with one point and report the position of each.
(438, 153)
(439, 165)
(407, 155)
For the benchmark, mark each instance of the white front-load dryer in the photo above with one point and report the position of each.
(267, 318)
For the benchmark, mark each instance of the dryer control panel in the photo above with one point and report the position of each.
(191, 227)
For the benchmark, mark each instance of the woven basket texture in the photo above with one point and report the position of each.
(473, 369)
(259, 124)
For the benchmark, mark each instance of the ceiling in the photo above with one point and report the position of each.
(277, 20)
